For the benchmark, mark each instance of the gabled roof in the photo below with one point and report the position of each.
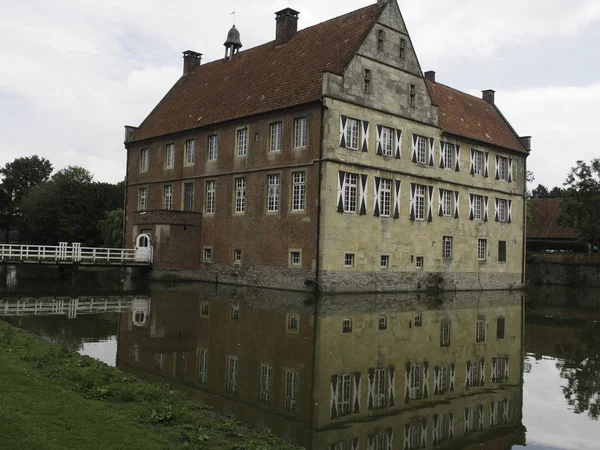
(263, 78)
(472, 117)
(545, 213)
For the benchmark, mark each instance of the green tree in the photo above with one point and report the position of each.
(581, 201)
(111, 229)
(73, 173)
(19, 177)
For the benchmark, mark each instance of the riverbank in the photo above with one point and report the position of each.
(52, 398)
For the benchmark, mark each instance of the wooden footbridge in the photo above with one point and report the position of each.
(75, 254)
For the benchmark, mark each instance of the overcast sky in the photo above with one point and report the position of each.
(73, 72)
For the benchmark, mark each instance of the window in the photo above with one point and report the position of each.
(290, 390)
(500, 369)
(444, 379)
(298, 191)
(202, 377)
(478, 162)
(367, 81)
(471, 421)
(295, 258)
(349, 260)
(210, 197)
(266, 383)
(379, 388)
(480, 330)
(477, 207)
(501, 209)
(421, 149)
(446, 202)
(473, 373)
(481, 249)
(447, 162)
(188, 197)
(350, 192)
(179, 364)
(443, 427)
(418, 320)
(387, 141)
(232, 375)
(273, 193)
(402, 48)
(420, 202)
(385, 261)
(342, 445)
(385, 197)
(292, 322)
(275, 133)
(352, 133)
(419, 262)
(447, 247)
(190, 151)
(135, 353)
(212, 147)
(144, 156)
(344, 394)
(240, 195)
(411, 95)
(237, 256)
(159, 362)
(414, 436)
(207, 254)
(143, 199)
(242, 142)
(205, 308)
(445, 333)
(414, 390)
(380, 39)
(169, 157)
(500, 322)
(168, 197)
(235, 312)
(502, 251)
(347, 325)
(383, 323)
(502, 168)
(300, 133)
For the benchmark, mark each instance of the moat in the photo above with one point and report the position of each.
(392, 371)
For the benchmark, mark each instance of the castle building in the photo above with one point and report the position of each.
(326, 159)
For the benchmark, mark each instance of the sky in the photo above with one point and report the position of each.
(74, 73)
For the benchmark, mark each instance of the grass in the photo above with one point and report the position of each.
(52, 398)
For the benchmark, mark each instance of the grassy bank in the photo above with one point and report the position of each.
(51, 398)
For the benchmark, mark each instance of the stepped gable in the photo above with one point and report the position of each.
(261, 79)
(471, 117)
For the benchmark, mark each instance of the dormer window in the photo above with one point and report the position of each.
(380, 39)
(367, 81)
(402, 48)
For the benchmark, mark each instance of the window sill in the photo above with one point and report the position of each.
(299, 211)
(300, 148)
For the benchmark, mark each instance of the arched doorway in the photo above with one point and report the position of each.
(143, 248)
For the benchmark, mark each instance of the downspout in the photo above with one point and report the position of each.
(523, 256)
(125, 199)
(318, 265)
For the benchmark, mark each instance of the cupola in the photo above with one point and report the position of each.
(233, 43)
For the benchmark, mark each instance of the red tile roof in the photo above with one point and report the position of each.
(263, 78)
(472, 117)
(545, 213)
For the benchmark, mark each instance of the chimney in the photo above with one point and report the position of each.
(488, 96)
(430, 75)
(525, 142)
(287, 25)
(191, 61)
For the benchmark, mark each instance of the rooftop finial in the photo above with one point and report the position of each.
(233, 13)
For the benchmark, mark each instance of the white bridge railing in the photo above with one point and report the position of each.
(75, 253)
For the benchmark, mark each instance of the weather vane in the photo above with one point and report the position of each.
(233, 13)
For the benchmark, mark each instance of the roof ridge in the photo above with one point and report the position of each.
(457, 90)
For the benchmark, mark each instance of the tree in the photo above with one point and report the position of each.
(73, 173)
(540, 191)
(581, 201)
(19, 177)
(111, 229)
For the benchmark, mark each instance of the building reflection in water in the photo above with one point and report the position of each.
(401, 371)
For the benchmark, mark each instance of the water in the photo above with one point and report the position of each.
(333, 374)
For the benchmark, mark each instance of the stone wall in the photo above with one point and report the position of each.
(564, 269)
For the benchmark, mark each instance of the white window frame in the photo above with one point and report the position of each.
(213, 147)
(379, 388)
(477, 206)
(448, 160)
(232, 374)
(502, 168)
(202, 376)
(169, 156)
(190, 152)
(347, 325)
(350, 192)
(295, 258)
(275, 135)
(290, 391)
(478, 162)
(210, 195)
(349, 260)
(300, 132)
(168, 197)
(446, 203)
(298, 191)
(237, 256)
(242, 141)
(266, 383)
(444, 378)
(481, 249)
(273, 189)
(293, 322)
(480, 330)
(344, 394)
(502, 209)
(447, 247)
(421, 149)
(207, 254)
(240, 195)
(419, 262)
(420, 191)
(445, 333)
(144, 160)
(385, 197)
(352, 133)
(143, 199)
(387, 141)
(384, 261)
(414, 389)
